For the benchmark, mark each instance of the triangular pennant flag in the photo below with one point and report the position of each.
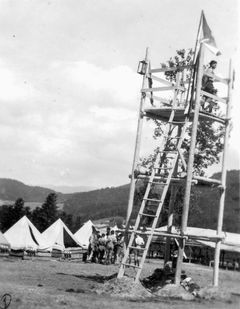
(207, 37)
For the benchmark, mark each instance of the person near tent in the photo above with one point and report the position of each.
(139, 243)
(119, 248)
(115, 248)
(101, 248)
(93, 243)
(207, 86)
(174, 256)
(111, 240)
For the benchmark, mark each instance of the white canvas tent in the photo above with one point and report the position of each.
(230, 242)
(102, 228)
(24, 235)
(84, 233)
(59, 236)
(4, 244)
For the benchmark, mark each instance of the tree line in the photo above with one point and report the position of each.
(42, 217)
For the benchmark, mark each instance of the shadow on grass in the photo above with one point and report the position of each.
(96, 278)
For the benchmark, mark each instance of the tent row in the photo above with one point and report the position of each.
(23, 235)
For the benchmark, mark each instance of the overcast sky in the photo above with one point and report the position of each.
(69, 90)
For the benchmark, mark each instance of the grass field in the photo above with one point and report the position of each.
(62, 284)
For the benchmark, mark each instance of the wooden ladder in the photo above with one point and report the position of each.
(161, 175)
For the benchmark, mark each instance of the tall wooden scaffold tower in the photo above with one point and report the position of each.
(183, 110)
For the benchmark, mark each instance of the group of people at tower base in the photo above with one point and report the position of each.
(109, 248)
(105, 248)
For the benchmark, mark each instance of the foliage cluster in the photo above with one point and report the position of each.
(183, 58)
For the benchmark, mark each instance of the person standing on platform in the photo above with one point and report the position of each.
(207, 86)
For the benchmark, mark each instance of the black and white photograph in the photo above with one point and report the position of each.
(120, 154)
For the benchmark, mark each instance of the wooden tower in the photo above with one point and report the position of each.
(177, 114)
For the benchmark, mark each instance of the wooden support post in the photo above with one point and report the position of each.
(171, 210)
(190, 165)
(137, 144)
(170, 222)
(223, 180)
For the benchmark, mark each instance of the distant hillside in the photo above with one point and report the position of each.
(11, 189)
(113, 202)
(208, 201)
(71, 189)
(98, 203)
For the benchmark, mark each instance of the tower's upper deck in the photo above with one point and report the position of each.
(163, 114)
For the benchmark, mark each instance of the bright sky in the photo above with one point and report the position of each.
(69, 90)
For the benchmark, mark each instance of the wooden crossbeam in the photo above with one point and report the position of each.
(217, 78)
(207, 180)
(162, 100)
(162, 89)
(214, 97)
(167, 69)
(173, 180)
(174, 235)
(161, 80)
(213, 117)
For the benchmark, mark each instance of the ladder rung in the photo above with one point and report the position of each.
(158, 183)
(162, 177)
(171, 156)
(144, 174)
(147, 215)
(176, 122)
(131, 265)
(171, 137)
(172, 151)
(137, 248)
(152, 200)
(163, 168)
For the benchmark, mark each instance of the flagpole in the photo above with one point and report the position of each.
(192, 75)
(198, 33)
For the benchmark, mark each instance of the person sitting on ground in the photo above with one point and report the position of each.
(207, 86)
(190, 286)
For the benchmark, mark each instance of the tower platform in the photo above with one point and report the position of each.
(164, 113)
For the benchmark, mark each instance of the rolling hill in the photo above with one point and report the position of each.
(113, 202)
(98, 204)
(11, 189)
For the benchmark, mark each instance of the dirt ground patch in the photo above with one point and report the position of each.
(61, 284)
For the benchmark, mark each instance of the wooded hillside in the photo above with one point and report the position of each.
(113, 202)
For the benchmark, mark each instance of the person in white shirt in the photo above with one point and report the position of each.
(139, 242)
(207, 86)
